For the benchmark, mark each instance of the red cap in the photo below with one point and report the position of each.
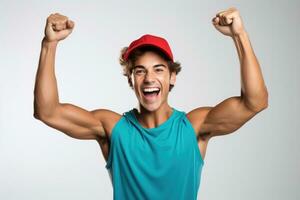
(150, 40)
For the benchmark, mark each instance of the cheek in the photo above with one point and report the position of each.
(136, 84)
(165, 80)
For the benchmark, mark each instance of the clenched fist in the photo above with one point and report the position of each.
(229, 22)
(58, 27)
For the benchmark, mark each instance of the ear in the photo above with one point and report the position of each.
(173, 78)
(129, 78)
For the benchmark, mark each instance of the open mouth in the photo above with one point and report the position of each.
(150, 93)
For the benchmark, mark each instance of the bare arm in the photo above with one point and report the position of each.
(232, 113)
(70, 119)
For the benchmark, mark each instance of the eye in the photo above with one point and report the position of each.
(139, 71)
(159, 70)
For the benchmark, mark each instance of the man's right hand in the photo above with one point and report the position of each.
(58, 27)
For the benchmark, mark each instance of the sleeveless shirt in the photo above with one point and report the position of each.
(154, 163)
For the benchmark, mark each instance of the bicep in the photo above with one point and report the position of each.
(76, 122)
(227, 116)
(224, 118)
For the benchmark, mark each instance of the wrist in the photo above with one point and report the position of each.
(46, 43)
(240, 35)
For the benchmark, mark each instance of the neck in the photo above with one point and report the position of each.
(152, 119)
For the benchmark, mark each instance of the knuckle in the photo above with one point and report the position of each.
(49, 19)
(65, 19)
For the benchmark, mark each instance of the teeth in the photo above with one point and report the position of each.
(151, 89)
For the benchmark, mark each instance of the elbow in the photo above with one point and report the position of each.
(265, 101)
(263, 106)
(37, 115)
(41, 115)
(36, 112)
(258, 105)
(266, 104)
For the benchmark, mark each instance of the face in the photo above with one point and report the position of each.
(151, 80)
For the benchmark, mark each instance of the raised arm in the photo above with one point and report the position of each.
(232, 113)
(70, 119)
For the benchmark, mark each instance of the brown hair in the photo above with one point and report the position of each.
(134, 55)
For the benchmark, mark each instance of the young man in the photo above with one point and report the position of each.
(154, 151)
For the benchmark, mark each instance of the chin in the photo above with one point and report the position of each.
(150, 107)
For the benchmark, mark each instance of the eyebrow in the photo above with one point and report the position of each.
(141, 66)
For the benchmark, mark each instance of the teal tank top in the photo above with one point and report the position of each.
(154, 163)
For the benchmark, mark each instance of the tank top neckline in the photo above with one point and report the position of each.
(159, 127)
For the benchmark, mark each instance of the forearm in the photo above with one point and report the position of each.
(253, 90)
(45, 92)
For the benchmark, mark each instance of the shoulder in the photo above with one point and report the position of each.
(197, 117)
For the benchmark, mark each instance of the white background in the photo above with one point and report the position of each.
(261, 160)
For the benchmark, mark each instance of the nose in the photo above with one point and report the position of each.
(149, 77)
